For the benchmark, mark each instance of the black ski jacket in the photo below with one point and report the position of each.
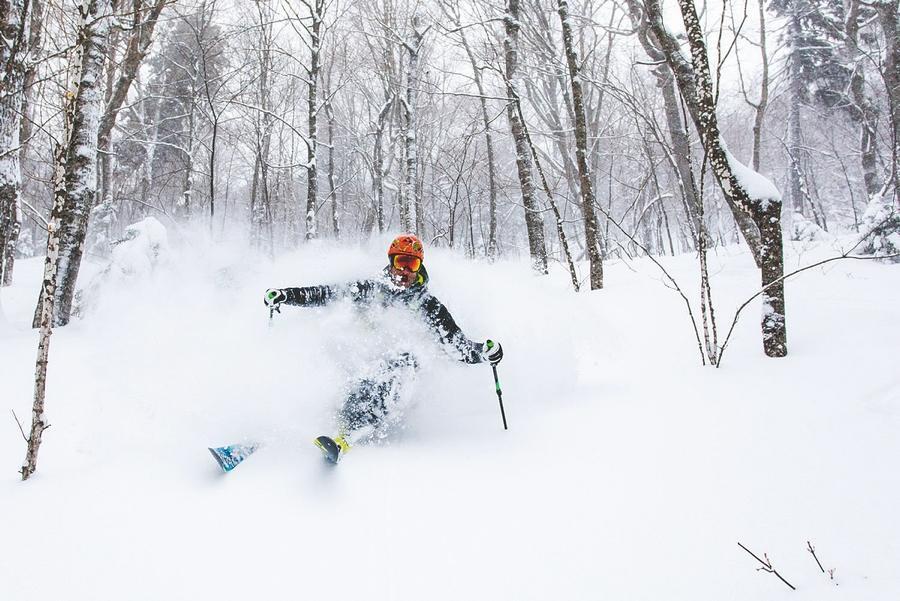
(383, 293)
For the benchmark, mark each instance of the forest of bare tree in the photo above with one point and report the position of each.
(569, 132)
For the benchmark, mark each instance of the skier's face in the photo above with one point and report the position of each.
(405, 270)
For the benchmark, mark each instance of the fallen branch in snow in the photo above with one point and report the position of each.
(812, 550)
(767, 566)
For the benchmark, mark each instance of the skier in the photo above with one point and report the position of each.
(373, 400)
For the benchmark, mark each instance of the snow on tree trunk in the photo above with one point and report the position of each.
(15, 23)
(664, 46)
(534, 222)
(591, 234)
(79, 156)
(378, 162)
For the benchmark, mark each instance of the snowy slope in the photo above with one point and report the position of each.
(629, 471)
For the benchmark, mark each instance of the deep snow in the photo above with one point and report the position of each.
(629, 470)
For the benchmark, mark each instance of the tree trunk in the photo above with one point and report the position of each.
(888, 17)
(678, 66)
(80, 155)
(799, 194)
(863, 111)
(187, 195)
(534, 222)
(763, 105)
(591, 234)
(75, 182)
(492, 248)
(332, 191)
(681, 146)
(312, 171)
(378, 162)
(410, 201)
(15, 25)
(695, 83)
(47, 303)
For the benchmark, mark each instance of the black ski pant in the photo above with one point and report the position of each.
(372, 401)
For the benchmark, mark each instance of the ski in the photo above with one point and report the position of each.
(230, 456)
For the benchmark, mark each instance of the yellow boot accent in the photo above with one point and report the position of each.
(342, 442)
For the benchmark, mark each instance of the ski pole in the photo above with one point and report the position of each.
(272, 314)
(499, 396)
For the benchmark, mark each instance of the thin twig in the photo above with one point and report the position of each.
(829, 571)
(767, 565)
(16, 417)
(812, 550)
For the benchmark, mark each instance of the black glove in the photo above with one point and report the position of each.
(492, 352)
(274, 297)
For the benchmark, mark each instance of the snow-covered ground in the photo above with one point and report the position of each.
(629, 470)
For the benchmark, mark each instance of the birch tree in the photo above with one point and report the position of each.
(591, 234)
(310, 30)
(15, 33)
(763, 207)
(79, 157)
(534, 222)
(75, 183)
(410, 199)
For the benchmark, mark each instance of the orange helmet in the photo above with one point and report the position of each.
(407, 244)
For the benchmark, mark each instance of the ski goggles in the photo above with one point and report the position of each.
(406, 262)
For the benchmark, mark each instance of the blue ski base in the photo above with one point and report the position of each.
(230, 456)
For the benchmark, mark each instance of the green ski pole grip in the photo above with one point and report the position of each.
(489, 345)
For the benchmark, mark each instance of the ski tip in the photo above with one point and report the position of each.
(218, 458)
(230, 456)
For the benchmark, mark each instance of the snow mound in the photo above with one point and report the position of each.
(881, 222)
(143, 248)
(804, 230)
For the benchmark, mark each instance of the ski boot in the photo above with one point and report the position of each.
(332, 448)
